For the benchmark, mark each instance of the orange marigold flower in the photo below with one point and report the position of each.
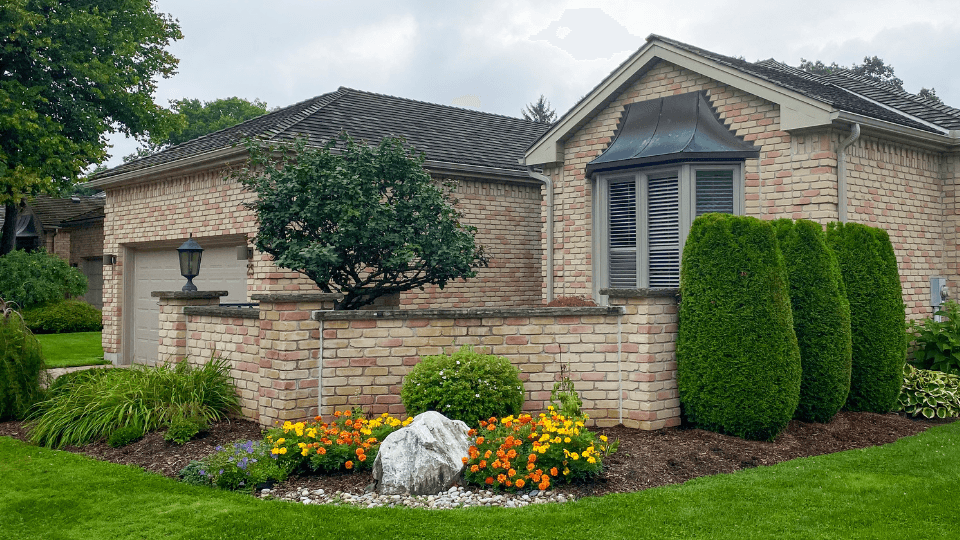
(465, 459)
(496, 464)
(512, 454)
(520, 483)
(479, 439)
(483, 464)
(483, 423)
(348, 465)
(493, 420)
(544, 485)
(337, 413)
(532, 458)
(321, 450)
(362, 457)
(316, 418)
(474, 468)
(489, 480)
(501, 453)
(511, 473)
(473, 432)
(509, 483)
(508, 441)
(360, 451)
(501, 478)
(530, 466)
(491, 427)
(347, 413)
(554, 471)
(487, 454)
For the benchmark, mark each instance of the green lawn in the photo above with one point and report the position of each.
(903, 490)
(75, 349)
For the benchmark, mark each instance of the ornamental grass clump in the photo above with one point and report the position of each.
(21, 365)
(239, 466)
(349, 442)
(515, 453)
(466, 386)
(92, 407)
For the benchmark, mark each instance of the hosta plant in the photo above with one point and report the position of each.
(348, 442)
(936, 344)
(932, 394)
(523, 452)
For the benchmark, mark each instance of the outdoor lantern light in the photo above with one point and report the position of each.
(190, 253)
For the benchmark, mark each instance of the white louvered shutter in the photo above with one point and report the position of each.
(663, 230)
(715, 192)
(623, 235)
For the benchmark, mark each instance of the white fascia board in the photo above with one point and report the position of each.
(797, 111)
(934, 141)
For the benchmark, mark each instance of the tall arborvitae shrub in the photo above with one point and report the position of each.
(738, 364)
(877, 316)
(821, 318)
(21, 365)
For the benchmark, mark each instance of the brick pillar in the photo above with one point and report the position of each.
(289, 355)
(172, 343)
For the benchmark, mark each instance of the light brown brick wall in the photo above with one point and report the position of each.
(894, 186)
(86, 242)
(209, 205)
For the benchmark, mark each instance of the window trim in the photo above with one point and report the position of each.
(686, 174)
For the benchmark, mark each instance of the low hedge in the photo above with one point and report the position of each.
(63, 317)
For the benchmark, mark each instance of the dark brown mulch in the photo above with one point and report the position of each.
(646, 458)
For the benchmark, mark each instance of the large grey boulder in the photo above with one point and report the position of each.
(424, 458)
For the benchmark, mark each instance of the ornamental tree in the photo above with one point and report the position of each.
(362, 221)
(72, 72)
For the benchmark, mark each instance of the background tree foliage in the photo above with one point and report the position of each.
(365, 222)
(872, 68)
(73, 71)
(539, 111)
(194, 118)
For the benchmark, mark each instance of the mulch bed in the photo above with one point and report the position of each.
(646, 458)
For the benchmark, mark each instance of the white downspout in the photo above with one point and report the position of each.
(548, 186)
(842, 171)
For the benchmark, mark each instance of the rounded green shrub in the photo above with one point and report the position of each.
(821, 318)
(126, 435)
(21, 365)
(34, 278)
(63, 317)
(877, 314)
(466, 386)
(738, 363)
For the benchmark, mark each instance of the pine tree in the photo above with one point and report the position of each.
(540, 112)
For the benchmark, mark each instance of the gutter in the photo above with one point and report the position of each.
(842, 171)
(548, 187)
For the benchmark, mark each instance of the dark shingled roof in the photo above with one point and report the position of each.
(843, 90)
(443, 133)
(53, 212)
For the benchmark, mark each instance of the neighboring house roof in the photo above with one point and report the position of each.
(806, 99)
(53, 212)
(448, 136)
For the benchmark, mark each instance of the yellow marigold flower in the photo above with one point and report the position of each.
(282, 451)
(275, 451)
(575, 456)
(566, 471)
(304, 452)
(566, 439)
(281, 440)
(591, 460)
(545, 437)
(603, 438)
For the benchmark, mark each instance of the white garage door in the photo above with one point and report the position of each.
(159, 270)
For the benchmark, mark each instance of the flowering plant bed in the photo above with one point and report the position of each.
(645, 459)
(514, 453)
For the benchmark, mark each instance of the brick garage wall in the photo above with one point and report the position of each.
(894, 186)
(85, 242)
(209, 205)
(951, 219)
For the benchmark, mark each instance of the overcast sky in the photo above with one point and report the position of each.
(498, 56)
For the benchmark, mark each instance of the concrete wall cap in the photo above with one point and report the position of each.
(188, 295)
(466, 313)
(216, 311)
(296, 297)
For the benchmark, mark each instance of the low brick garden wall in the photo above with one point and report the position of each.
(294, 357)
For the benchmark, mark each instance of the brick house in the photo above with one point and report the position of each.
(70, 228)
(154, 203)
(597, 204)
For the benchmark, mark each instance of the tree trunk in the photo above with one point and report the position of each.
(8, 240)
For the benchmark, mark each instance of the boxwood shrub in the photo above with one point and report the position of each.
(466, 386)
(63, 317)
(821, 318)
(877, 315)
(738, 363)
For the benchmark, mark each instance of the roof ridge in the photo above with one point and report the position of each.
(464, 109)
(900, 92)
(306, 112)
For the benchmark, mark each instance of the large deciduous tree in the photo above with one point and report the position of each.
(71, 72)
(362, 221)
